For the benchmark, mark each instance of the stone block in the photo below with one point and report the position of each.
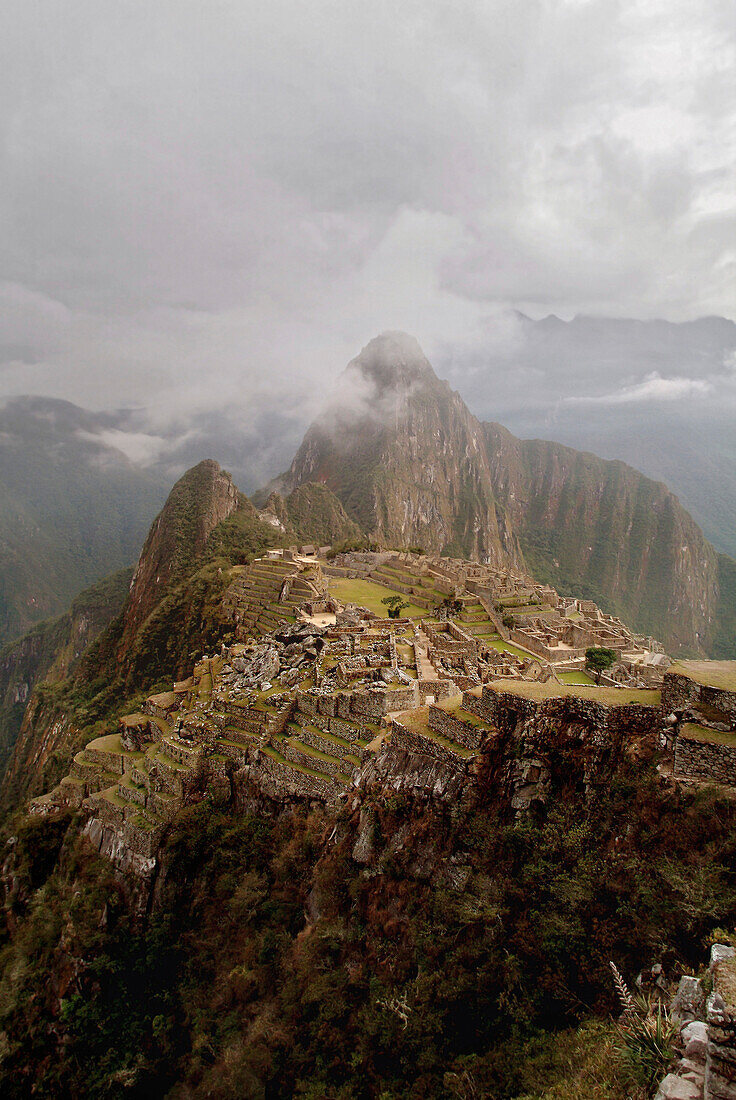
(719, 952)
(689, 1001)
(326, 704)
(342, 709)
(676, 1088)
(695, 1040)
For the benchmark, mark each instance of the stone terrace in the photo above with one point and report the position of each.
(271, 591)
(699, 700)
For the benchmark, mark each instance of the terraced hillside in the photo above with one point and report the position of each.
(429, 590)
(270, 590)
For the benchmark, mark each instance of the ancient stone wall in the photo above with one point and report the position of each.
(410, 740)
(438, 689)
(454, 728)
(474, 705)
(681, 693)
(288, 781)
(110, 761)
(596, 725)
(696, 759)
(309, 737)
(720, 1063)
(377, 703)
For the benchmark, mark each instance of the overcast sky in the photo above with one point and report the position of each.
(215, 204)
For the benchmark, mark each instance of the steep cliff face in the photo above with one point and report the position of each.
(603, 530)
(405, 457)
(42, 751)
(51, 650)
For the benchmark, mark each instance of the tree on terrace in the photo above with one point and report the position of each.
(598, 659)
(394, 605)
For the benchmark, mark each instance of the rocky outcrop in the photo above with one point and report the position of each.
(201, 499)
(40, 751)
(311, 513)
(706, 1053)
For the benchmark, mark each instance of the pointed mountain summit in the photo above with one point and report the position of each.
(405, 457)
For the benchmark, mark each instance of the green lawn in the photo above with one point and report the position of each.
(369, 594)
(692, 731)
(508, 647)
(578, 677)
(109, 743)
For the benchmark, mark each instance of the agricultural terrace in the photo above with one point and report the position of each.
(530, 689)
(715, 674)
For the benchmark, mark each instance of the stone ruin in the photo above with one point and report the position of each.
(550, 628)
(699, 700)
(310, 698)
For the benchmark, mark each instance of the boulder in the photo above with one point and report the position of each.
(719, 952)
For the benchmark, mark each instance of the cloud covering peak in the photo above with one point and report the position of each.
(209, 207)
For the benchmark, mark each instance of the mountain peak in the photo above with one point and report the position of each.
(405, 457)
(391, 361)
(202, 497)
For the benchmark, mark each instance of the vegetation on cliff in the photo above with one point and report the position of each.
(443, 964)
(312, 513)
(172, 614)
(50, 650)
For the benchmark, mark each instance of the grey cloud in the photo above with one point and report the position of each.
(207, 209)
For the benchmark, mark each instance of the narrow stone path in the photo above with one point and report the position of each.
(426, 669)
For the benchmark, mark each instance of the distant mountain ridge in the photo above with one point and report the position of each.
(412, 465)
(657, 394)
(72, 509)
